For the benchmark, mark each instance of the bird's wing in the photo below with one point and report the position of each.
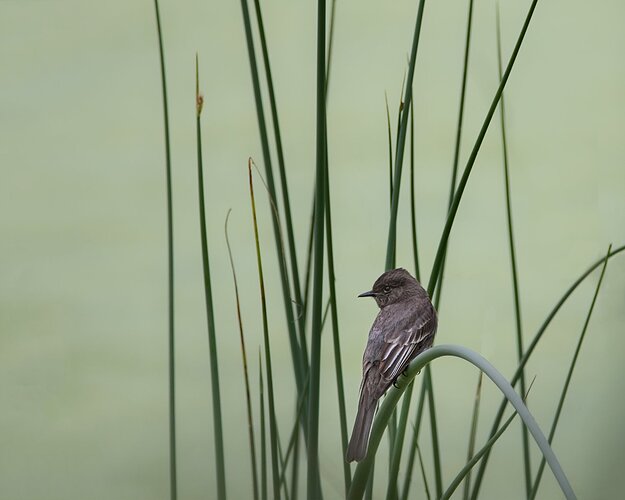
(413, 332)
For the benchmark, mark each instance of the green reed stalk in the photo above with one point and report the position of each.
(208, 294)
(390, 150)
(399, 153)
(472, 434)
(338, 363)
(454, 170)
(423, 474)
(515, 279)
(263, 433)
(273, 429)
(413, 217)
(314, 485)
(246, 378)
(413, 446)
(299, 362)
(283, 183)
(173, 491)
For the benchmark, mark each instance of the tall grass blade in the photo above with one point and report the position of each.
(309, 253)
(413, 446)
(283, 464)
(438, 470)
(369, 492)
(472, 434)
(208, 295)
(263, 432)
(173, 481)
(399, 153)
(273, 431)
(413, 216)
(246, 378)
(283, 180)
(338, 363)
(454, 170)
(390, 149)
(400, 108)
(296, 461)
(299, 362)
(291, 447)
(525, 358)
(423, 475)
(314, 485)
(397, 444)
(394, 394)
(330, 46)
(463, 89)
(569, 375)
(515, 280)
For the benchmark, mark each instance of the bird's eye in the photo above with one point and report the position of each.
(387, 289)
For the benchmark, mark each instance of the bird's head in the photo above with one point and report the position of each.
(394, 286)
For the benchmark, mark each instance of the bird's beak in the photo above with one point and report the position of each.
(370, 293)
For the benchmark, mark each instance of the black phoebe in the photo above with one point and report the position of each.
(404, 327)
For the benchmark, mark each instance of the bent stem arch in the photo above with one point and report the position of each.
(393, 395)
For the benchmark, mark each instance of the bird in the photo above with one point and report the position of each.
(404, 327)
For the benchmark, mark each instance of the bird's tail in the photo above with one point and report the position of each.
(357, 448)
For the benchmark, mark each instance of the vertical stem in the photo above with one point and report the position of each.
(248, 397)
(414, 446)
(263, 432)
(471, 449)
(170, 273)
(208, 295)
(295, 469)
(390, 151)
(314, 486)
(454, 171)
(435, 447)
(463, 89)
(330, 46)
(413, 217)
(299, 362)
(273, 431)
(399, 154)
(338, 364)
(515, 280)
(283, 182)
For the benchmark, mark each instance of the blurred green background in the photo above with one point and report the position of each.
(83, 373)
